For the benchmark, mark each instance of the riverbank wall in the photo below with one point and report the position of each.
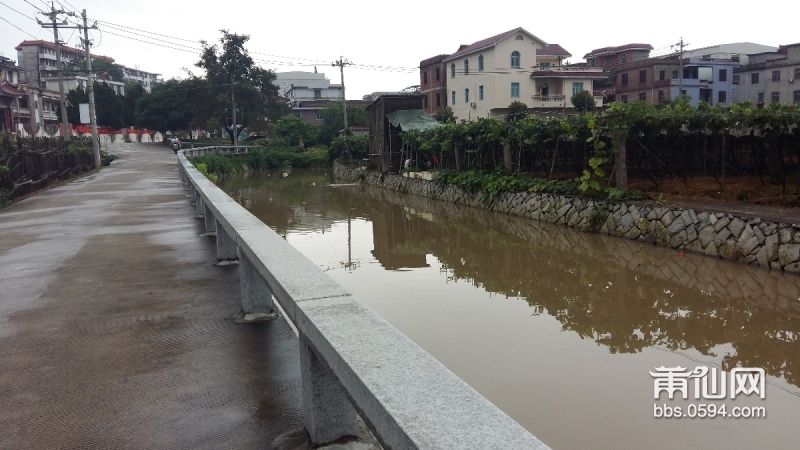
(757, 242)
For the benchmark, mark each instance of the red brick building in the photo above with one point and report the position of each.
(433, 84)
(634, 74)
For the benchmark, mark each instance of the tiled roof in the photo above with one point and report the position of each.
(432, 60)
(553, 50)
(8, 89)
(488, 42)
(63, 47)
(620, 48)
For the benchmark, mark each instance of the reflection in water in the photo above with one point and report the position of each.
(616, 292)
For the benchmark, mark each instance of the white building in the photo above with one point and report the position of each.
(145, 79)
(307, 86)
(484, 78)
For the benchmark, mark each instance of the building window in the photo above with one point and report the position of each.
(722, 97)
(519, 37)
(297, 114)
(660, 96)
(796, 97)
(317, 93)
(623, 58)
(662, 74)
(466, 95)
(754, 78)
(480, 92)
(544, 66)
(683, 93)
(577, 88)
(453, 98)
(797, 73)
(736, 79)
(723, 75)
(515, 59)
(438, 99)
(642, 76)
(674, 74)
(466, 66)
(776, 75)
(514, 90)
(480, 63)
(425, 77)
(643, 96)
(624, 79)
(760, 97)
(624, 99)
(319, 115)
(425, 100)
(775, 97)
(438, 74)
(453, 70)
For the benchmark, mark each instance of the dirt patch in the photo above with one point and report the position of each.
(734, 189)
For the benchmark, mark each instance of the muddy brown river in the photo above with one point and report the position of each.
(559, 329)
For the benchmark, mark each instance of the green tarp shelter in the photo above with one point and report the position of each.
(412, 119)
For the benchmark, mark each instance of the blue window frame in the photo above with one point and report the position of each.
(453, 70)
(514, 90)
(515, 59)
(480, 63)
(577, 88)
(480, 92)
(453, 99)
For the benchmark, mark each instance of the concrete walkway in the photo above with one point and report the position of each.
(116, 331)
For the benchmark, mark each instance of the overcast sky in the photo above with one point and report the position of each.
(395, 36)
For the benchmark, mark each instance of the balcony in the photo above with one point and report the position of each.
(49, 115)
(559, 101)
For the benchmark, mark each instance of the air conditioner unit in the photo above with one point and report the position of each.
(473, 105)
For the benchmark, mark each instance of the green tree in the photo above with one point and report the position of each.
(295, 131)
(75, 97)
(229, 67)
(174, 105)
(104, 69)
(108, 106)
(516, 111)
(133, 92)
(583, 101)
(445, 116)
(333, 121)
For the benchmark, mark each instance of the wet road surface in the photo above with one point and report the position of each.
(116, 331)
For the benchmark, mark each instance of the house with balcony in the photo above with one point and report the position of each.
(485, 77)
(770, 77)
(10, 94)
(144, 79)
(706, 79)
(307, 93)
(40, 61)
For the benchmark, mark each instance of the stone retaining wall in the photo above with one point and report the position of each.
(756, 242)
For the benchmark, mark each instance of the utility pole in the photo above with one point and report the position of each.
(681, 44)
(341, 62)
(90, 88)
(55, 24)
(234, 131)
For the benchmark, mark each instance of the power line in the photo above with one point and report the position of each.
(22, 14)
(20, 29)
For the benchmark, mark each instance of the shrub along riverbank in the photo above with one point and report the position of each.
(261, 159)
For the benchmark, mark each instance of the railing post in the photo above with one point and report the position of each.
(226, 247)
(327, 413)
(256, 296)
(192, 193)
(211, 221)
(199, 206)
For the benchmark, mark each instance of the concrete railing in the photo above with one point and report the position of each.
(352, 361)
(225, 150)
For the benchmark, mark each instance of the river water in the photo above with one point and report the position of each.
(559, 329)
